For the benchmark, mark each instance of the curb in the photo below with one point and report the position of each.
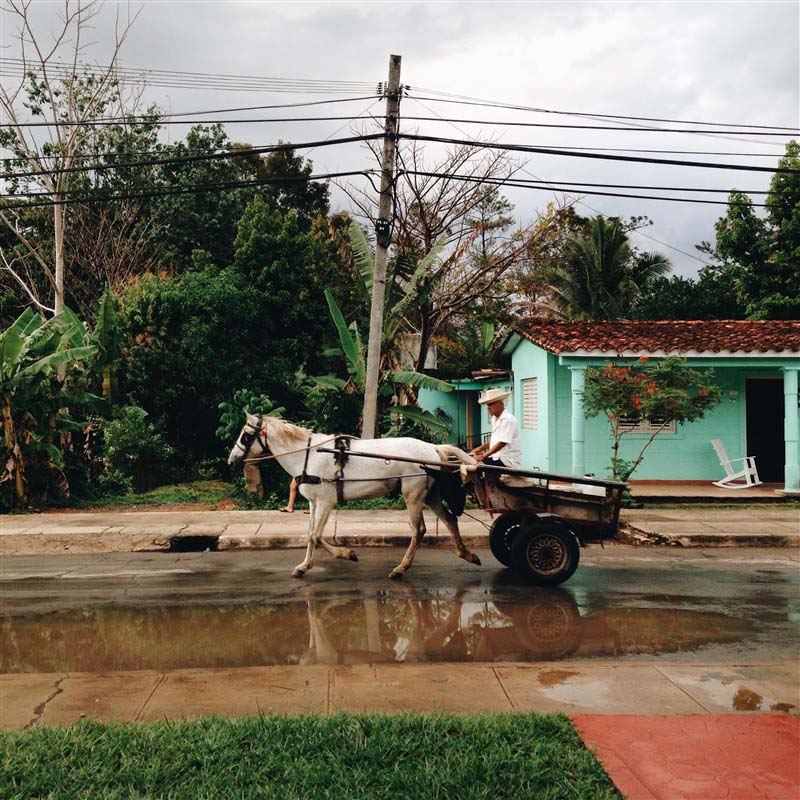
(639, 536)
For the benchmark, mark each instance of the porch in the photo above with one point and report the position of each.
(705, 492)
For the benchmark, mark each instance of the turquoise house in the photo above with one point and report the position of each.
(756, 364)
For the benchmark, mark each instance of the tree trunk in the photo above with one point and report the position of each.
(16, 458)
(58, 236)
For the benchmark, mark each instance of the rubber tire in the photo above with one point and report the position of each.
(561, 548)
(501, 536)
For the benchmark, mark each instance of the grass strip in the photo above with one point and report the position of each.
(341, 756)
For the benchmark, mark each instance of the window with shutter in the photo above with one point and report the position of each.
(530, 404)
(644, 425)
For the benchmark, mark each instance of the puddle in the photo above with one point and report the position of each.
(550, 627)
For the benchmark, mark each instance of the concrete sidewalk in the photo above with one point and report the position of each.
(153, 530)
(593, 687)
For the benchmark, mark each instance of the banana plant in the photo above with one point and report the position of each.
(31, 351)
(354, 351)
(107, 336)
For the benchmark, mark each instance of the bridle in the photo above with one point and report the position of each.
(252, 433)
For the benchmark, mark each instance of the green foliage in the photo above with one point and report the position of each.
(244, 400)
(330, 405)
(419, 424)
(761, 257)
(711, 296)
(192, 342)
(341, 756)
(135, 453)
(603, 276)
(33, 401)
(108, 336)
(198, 220)
(305, 199)
(666, 391)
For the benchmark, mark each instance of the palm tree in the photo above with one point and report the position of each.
(602, 276)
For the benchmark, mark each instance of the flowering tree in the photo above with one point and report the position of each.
(663, 392)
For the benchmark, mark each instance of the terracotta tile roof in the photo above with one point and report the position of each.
(781, 336)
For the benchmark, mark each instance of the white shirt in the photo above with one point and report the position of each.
(505, 428)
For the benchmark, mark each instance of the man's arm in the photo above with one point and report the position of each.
(484, 451)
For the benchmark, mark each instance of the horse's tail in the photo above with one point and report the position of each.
(449, 452)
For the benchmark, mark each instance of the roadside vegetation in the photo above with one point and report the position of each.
(340, 756)
(139, 317)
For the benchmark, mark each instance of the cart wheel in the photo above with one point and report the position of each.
(502, 534)
(545, 553)
(549, 625)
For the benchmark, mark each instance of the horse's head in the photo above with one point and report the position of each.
(249, 433)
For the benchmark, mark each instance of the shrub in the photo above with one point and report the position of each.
(135, 453)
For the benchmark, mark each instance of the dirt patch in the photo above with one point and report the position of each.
(551, 677)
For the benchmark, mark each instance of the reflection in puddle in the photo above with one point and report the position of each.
(548, 627)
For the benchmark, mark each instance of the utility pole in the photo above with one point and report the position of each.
(383, 236)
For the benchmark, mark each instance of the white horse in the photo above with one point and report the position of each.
(296, 449)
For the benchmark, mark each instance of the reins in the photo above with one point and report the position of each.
(270, 456)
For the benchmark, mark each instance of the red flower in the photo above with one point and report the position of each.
(644, 359)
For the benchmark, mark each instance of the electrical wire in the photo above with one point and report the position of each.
(70, 198)
(523, 184)
(583, 203)
(474, 101)
(197, 157)
(559, 152)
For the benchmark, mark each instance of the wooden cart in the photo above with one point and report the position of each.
(544, 518)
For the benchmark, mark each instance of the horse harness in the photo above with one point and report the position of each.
(342, 446)
(450, 486)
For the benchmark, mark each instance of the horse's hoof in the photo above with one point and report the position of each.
(352, 555)
(472, 558)
(395, 575)
(298, 573)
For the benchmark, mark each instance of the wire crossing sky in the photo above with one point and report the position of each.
(710, 82)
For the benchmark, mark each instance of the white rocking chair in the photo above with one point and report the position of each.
(744, 478)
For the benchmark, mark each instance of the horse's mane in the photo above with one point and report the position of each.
(291, 431)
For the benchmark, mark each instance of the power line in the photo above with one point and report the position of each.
(624, 129)
(145, 119)
(19, 68)
(70, 198)
(591, 208)
(198, 157)
(99, 123)
(525, 184)
(474, 101)
(575, 154)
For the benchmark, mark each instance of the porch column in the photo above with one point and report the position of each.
(790, 431)
(578, 459)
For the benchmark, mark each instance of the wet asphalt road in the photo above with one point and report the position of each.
(239, 608)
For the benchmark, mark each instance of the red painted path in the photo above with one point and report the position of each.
(702, 757)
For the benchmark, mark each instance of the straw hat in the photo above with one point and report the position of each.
(493, 396)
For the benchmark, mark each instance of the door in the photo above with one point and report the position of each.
(764, 399)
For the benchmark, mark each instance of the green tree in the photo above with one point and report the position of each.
(710, 296)
(666, 391)
(192, 341)
(396, 380)
(307, 199)
(198, 220)
(761, 256)
(602, 276)
(32, 403)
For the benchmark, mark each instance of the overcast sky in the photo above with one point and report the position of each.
(736, 62)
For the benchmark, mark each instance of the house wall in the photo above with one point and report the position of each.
(533, 362)
(685, 455)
